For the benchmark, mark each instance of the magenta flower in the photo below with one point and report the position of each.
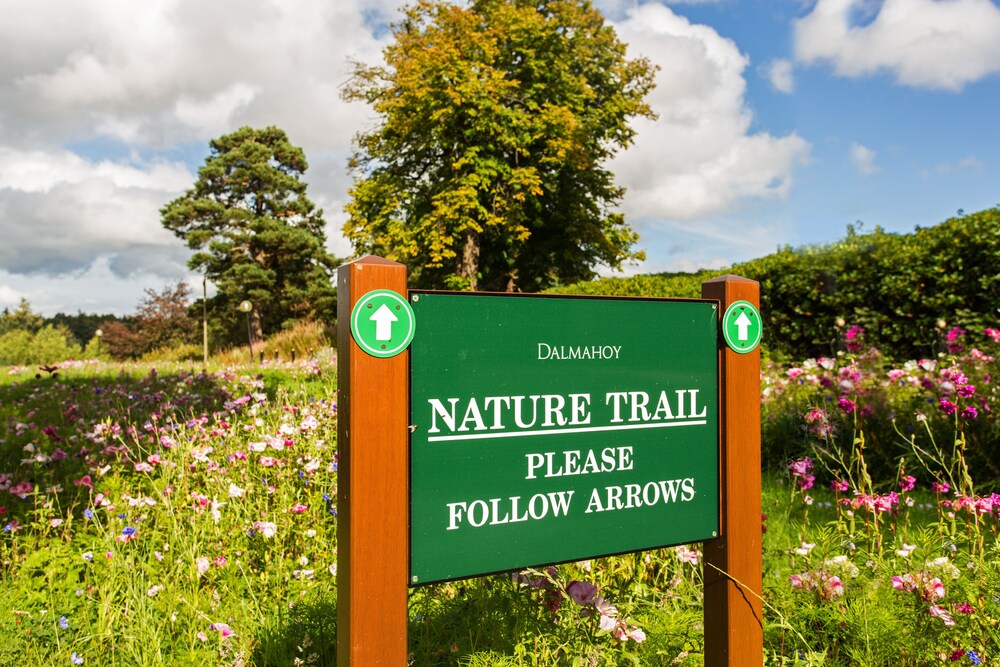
(847, 405)
(940, 487)
(800, 467)
(838, 485)
(970, 412)
(907, 483)
(947, 406)
(223, 629)
(297, 508)
(965, 608)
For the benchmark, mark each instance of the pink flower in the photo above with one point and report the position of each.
(947, 406)
(686, 555)
(22, 489)
(942, 613)
(142, 466)
(933, 590)
(265, 528)
(223, 629)
(907, 483)
(268, 461)
(833, 587)
(84, 481)
(837, 485)
(993, 334)
(903, 583)
(297, 508)
(201, 562)
(219, 561)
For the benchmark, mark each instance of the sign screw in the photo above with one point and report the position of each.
(416, 297)
(414, 579)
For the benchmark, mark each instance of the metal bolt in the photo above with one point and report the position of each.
(715, 533)
(416, 297)
(414, 579)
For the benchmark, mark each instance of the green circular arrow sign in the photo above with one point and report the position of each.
(742, 327)
(382, 323)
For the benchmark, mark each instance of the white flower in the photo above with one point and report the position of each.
(235, 491)
(805, 549)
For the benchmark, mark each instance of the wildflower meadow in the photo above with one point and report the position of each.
(168, 515)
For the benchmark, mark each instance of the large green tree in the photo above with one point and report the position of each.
(256, 235)
(487, 168)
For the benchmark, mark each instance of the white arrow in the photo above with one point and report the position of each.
(742, 323)
(383, 318)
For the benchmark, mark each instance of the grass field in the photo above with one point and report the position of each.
(172, 517)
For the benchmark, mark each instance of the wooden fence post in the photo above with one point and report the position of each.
(734, 633)
(373, 479)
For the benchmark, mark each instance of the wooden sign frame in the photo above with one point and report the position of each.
(373, 490)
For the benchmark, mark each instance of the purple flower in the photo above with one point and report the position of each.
(63, 623)
(76, 659)
(970, 412)
(581, 592)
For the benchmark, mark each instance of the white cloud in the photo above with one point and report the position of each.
(922, 43)
(9, 297)
(59, 211)
(863, 159)
(700, 157)
(103, 103)
(779, 73)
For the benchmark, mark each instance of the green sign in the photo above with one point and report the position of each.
(382, 323)
(554, 429)
(742, 327)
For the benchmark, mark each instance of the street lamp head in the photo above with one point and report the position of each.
(246, 307)
(99, 333)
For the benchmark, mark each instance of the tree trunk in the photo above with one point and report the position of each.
(468, 260)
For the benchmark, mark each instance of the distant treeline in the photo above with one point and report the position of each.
(83, 326)
(905, 290)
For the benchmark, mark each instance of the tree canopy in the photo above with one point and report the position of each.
(487, 169)
(256, 235)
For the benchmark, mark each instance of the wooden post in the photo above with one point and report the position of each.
(734, 633)
(373, 479)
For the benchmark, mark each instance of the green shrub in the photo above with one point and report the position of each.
(49, 345)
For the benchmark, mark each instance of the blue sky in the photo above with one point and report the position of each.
(781, 122)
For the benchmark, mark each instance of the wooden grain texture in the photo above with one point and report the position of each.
(373, 477)
(733, 562)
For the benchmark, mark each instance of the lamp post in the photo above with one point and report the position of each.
(99, 333)
(247, 307)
